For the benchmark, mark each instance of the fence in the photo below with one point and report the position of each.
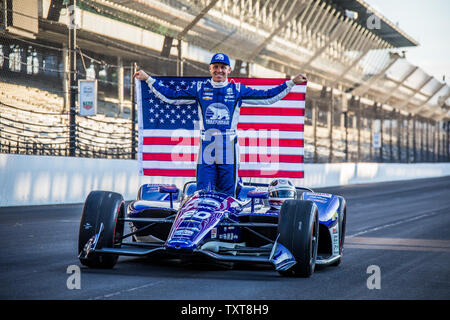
(34, 104)
(34, 116)
(370, 133)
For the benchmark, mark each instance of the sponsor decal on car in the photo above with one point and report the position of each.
(335, 239)
(183, 232)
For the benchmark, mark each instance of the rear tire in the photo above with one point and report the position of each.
(298, 226)
(101, 207)
(342, 211)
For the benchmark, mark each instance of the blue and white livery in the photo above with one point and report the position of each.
(166, 221)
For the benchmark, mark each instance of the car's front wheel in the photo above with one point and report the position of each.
(101, 208)
(298, 226)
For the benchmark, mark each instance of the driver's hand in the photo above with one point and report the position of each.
(141, 75)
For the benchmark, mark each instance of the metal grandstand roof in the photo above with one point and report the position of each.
(387, 31)
(317, 37)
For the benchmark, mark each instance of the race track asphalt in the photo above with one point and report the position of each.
(401, 229)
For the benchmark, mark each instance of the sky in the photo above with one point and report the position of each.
(427, 22)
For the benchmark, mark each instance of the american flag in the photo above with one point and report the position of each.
(271, 137)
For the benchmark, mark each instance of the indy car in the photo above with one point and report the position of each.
(306, 231)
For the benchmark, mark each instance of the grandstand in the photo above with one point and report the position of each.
(362, 87)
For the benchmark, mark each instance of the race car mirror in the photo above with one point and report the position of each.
(170, 190)
(254, 194)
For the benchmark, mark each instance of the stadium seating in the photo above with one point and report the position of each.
(33, 117)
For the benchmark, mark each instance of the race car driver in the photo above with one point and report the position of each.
(280, 190)
(219, 103)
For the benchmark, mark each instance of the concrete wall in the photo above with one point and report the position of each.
(36, 180)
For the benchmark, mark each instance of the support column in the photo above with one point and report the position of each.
(439, 149)
(427, 141)
(434, 144)
(407, 138)
(120, 85)
(422, 133)
(330, 125)
(133, 112)
(371, 119)
(346, 135)
(391, 133)
(414, 139)
(399, 119)
(180, 58)
(73, 83)
(373, 154)
(381, 133)
(447, 142)
(65, 78)
(346, 123)
(23, 59)
(314, 125)
(358, 129)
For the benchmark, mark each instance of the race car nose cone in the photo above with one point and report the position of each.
(180, 245)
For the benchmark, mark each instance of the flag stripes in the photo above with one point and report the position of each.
(271, 137)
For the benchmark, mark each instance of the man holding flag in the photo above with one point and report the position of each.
(219, 103)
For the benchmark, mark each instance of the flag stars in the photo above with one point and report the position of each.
(167, 116)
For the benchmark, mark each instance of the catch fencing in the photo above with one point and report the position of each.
(34, 112)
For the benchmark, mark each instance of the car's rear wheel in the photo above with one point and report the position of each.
(101, 207)
(298, 226)
(342, 211)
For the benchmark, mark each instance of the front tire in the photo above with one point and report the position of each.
(101, 207)
(298, 226)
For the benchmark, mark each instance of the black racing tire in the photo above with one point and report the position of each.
(342, 212)
(101, 207)
(298, 227)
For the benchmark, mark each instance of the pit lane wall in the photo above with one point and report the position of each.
(38, 180)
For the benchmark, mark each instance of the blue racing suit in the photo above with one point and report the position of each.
(218, 109)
